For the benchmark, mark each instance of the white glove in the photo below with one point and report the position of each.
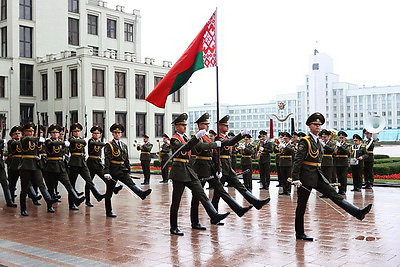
(241, 146)
(218, 175)
(42, 140)
(281, 145)
(261, 149)
(5, 141)
(297, 183)
(218, 143)
(338, 144)
(244, 132)
(323, 144)
(85, 139)
(200, 133)
(107, 176)
(67, 143)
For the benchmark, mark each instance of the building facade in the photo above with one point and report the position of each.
(71, 61)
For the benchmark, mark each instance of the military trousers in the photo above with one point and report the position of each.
(342, 172)
(369, 173)
(265, 173)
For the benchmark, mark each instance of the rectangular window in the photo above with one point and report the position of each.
(45, 89)
(26, 80)
(26, 113)
(99, 118)
(128, 30)
(25, 41)
(73, 117)
(73, 31)
(25, 9)
(59, 118)
(140, 124)
(157, 80)
(4, 42)
(3, 9)
(111, 28)
(98, 82)
(120, 84)
(176, 97)
(74, 82)
(120, 117)
(140, 84)
(44, 119)
(95, 50)
(159, 124)
(73, 6)
(2, 86)
(92, 24)
(58, 75)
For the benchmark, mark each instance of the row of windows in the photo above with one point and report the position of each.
(25, 9)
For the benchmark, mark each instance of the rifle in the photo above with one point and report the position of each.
(66, 126)
(38, 124)
(85, 125)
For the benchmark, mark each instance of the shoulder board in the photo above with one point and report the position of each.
(306, 137)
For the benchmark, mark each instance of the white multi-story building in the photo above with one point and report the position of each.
(79, 61)
(345, 106)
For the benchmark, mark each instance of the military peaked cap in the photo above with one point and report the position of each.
(356, 136)
(212, 132)
(203, 118)
(286, 134)
(224, 120)
(342, 133)
(117, 128)
(181, 119)
(315, 118)
(15, 129)
(145, 136)
(262, 132)
(29, 126)
(165, 135)
(247, 136)
(231, 134)
(301, 134)
(76, 126)
(54, 128)
(96, 129)
(324, 132)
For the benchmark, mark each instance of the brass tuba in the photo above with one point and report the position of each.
(375, 124)
(333, 135)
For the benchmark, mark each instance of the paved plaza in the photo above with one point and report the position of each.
(140, 236)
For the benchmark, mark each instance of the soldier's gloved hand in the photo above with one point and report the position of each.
(200, 133)
(261, 149)
(42, 140)
(5, 141)
(67, 143)
(323, 143)
(85, 139)
(297, 183)
(338, 144)
(218, 175)
(244, 132)
(218, 143)
(107, 176)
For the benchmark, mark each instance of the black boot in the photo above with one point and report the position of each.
(34, 196)
(140, 192)
(239, 210)
(47, 197)
(257, 203)
(74, 199)
(22, 204)
(9, 200)
(194, 215)
(213, 213)
(96, 193)
(353, 210)
(87, 195)
(109, 212)
(117, 189)
(50, 208)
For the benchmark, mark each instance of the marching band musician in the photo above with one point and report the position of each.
(164, 156)
(286, 152)
(307, 175)
(264, 160)
(369, 143)
(247, 150)
(341, 161)
(145, 149)
(327, 160)
(358, 153)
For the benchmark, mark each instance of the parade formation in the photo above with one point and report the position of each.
(318, 160)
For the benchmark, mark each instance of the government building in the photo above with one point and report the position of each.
(71, 61)
(346, 106)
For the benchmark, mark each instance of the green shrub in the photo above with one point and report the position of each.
(380, 156)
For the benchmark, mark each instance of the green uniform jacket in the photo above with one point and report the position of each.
(265, 154)
(246, 152)
(359, 152)
(116, 159)
(77, 150)
(286, 156)
(369, 145)
(30, 150)
(14, 154)
(55, 153)
(327, 159)
(204, 149)
(225, 152)
(145, 151)
(94, 151)
(341, 155)
(181, 170)
(164, 152)
(308, 152)
(42, 155)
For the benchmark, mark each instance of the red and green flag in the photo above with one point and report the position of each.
(200, 54)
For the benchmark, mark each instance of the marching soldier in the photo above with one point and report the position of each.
(29, 167)
(145, 159)
(77, 163)
(264, 160)
(358, 153)
(55, 168)
(164, 156)
(327, 159)
(42, 157)
(182, 175)
(228, 174)
(247, 150)
(206, 170)
(286, 152)
(369, 143)
(234, 151)
(277, 152)
(94, 164)
(3, 178)
(307, 175)
(341, 161)
(118, 168)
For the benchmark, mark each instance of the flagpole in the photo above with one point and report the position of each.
(217, 85)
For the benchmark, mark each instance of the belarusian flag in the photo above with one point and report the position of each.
(201, 53)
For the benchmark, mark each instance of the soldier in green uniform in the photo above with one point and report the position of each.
(117, 168)
(247, 150)
(207, 172)
(228, 174)
(145, 149)
(182, 175)
(29, 167)
(42, 157)
(264, 160)
(3, 178)
(55, 167)
(327, 159)
(77, 162)
(234, 152)
(286, 153)
(307, 175)
(369, 143)
(341, 161)
(164, 156)
(93, 161)
(276, 149)
(358, 153)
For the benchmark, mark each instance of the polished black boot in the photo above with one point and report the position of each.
(50, 208)
(47, 197)
(175, 231)
(140, 192)
(22, 204)
(305, 237)
(109, 212)
(117, 189)
(239, 210)
(257, 203)
(74, 199)
(87, 195)
(213, 213)
(194, 216)
(96, 193)
(353, 210)
(34, 196)
(9, 200)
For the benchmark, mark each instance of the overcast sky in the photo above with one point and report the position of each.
(264, 45)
